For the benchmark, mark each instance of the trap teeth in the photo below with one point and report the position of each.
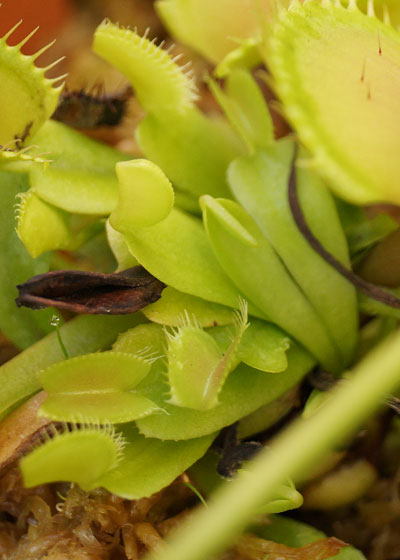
(31, 97)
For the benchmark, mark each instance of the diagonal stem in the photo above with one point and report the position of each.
(370, 290)
(291, 454)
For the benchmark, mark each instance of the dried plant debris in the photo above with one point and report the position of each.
(91, 109)
(254, 548)
(91, 292)
(371, 524)
(20, 430)
(61, 520)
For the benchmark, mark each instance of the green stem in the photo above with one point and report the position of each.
(291, 454)
(82, 335)
(61, 343)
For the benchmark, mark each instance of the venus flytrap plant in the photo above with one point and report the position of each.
(197, 369)
(146, 65)
(194, 269)
(283, 303)
(83, 382)
(245, 390)
(294, 451)
(96, 388)
(150, 464)
(31, 96)
(81, 178)
(119, 248)
(254, 181)
(258, 182)
(245, 108)
(41, 226)
(23, 327)
(245, 57)
(213, 29)
(81, 335)
(146, 196)
(168, 310)
(31, 99)
(60, 458)
(173, 123)
(216, 371)
(285, 497)
(263, 346)
(335, 107)
(13, 158)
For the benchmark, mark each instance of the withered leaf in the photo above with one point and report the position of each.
(20, 430)
(91, 292)
(90, 109)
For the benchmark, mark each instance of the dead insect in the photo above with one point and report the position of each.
(82, 109)
(233, 452)
(91, 292)
(321, 380)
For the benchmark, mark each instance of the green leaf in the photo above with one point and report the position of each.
(21, 325)
(197, 369)
(245, 390)
(177, 252)
(148, 464)
(213, 28)
(246, 57)
(42, 227)
(146, 196)
(173, 125)
(372, 307)
(81, 178)
(259, 273)
(76, 190)
(148, 337)
(205, 476)
(246, 109)
(269, 414)
(174, 309)
(294, 533)
(262, 347)
(96, 388)
(284, 498)
(86, 333)
(361, 231)
(71, 149)
(260, 184)
(193, 357)
(82, 456)
(119, 248)
(169, 143)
